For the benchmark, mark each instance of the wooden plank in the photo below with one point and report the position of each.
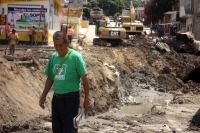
(23, 62)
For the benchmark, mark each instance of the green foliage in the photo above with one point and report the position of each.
(136, 3)
(92, 3)
(111, 7)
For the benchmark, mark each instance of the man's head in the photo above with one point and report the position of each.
(13, 31)
(34, 27)
(61, 43)
(70, 27)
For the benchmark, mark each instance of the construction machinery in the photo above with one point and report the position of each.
(112, 35)
(96, 14)
(128, 22)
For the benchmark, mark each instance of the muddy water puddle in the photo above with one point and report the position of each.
(137, 107)
(142, 106)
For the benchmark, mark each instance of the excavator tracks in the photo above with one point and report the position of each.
(106, 42)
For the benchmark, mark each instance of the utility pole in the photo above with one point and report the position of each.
(151, 17)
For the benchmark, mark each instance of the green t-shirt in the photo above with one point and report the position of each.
(68, 77)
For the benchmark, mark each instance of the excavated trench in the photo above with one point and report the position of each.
(147, 77)
(194, 76)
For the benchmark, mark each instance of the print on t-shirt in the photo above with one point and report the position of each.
(61, 72)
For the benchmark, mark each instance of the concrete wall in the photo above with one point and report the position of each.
(196, 19)
(173, 16)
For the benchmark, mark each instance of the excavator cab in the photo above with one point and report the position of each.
(125, 20)
(99, 23)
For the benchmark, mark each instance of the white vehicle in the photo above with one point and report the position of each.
(111, 19)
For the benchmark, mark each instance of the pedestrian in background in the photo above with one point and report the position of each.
(13, 41)
(70, 32)
(7, 31)
(44, 35)
(31, 34)
(175, 30)
(171, 30)
(66, 71)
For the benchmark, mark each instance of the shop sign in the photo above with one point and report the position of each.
(2, 29)
(2, 19)
(22, 17)
(16, 1)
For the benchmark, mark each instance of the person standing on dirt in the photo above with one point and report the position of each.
(116, 19)
(31, 34)
(44, 34)
(66, 71)
(13, 41)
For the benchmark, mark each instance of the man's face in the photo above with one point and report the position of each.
(61, 47)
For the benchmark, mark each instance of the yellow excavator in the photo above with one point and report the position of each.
(128, 22)
(112, 35)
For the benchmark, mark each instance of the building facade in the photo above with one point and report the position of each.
(196, 19)
(23, 14)
(139, 13)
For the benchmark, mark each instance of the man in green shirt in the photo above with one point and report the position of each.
(65, 71)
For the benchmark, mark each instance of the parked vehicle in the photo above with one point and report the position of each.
(111, 19)
(96, 13)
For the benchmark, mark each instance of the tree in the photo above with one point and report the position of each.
(136, 3)
(111, 7)
(155, 9)
(92, 3)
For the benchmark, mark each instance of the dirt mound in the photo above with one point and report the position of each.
(129, 70)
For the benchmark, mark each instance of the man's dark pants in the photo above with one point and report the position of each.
(7, 39)
(12, 49)
(31, 39)
(44, 39)
(70, 38)
(63, 111)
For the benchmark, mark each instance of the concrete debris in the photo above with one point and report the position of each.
(163, 46)
(196, 46)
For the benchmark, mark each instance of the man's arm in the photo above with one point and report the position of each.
(34, 32)
(48, 84)
(86, 87)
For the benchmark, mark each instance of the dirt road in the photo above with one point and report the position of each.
(130, 86)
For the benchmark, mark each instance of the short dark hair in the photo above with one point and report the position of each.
(13, 30)
(58, 35)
